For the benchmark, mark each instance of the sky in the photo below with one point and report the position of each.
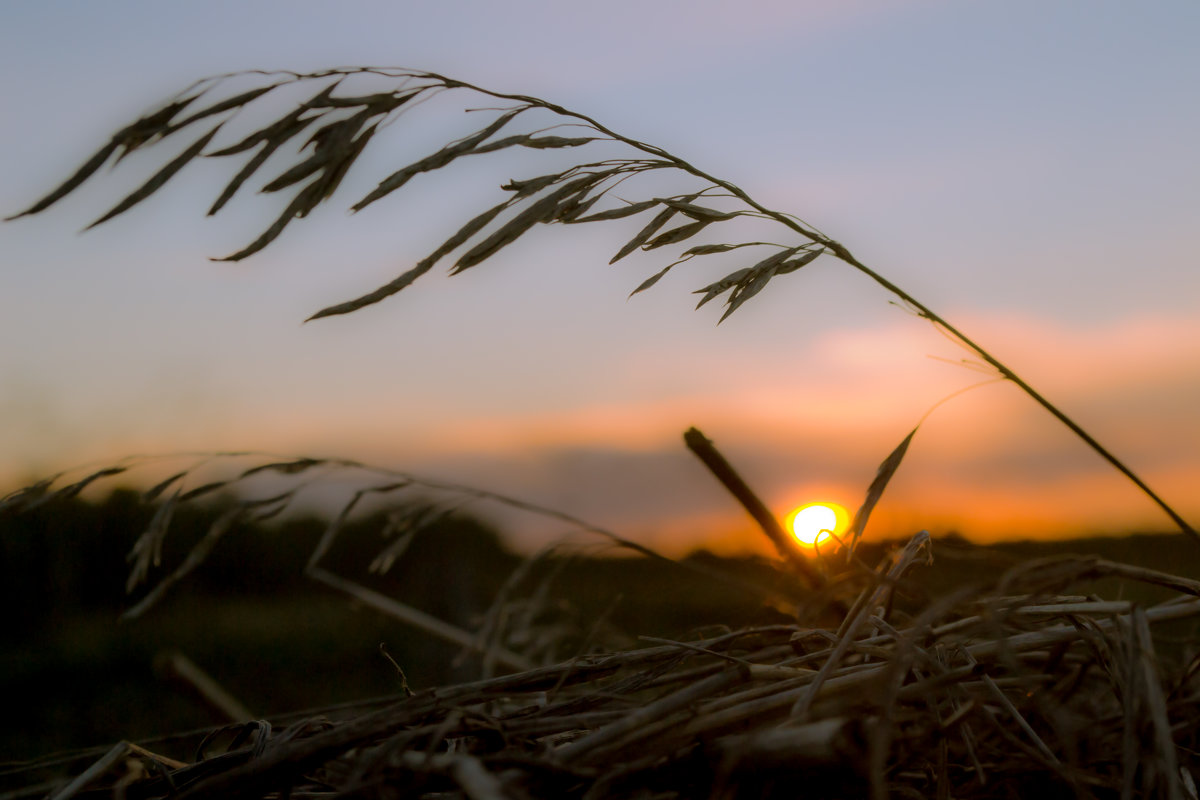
(1026, 169)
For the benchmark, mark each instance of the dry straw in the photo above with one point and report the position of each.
(1024, 686)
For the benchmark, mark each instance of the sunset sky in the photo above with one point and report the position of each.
(1027, 169)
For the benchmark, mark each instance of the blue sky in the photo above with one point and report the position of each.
(1027, 169)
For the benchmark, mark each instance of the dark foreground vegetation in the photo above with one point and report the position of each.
(279, 643)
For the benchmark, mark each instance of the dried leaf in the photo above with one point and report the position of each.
(159, 178)
(435, 161)
(541, 210)
(886, 470)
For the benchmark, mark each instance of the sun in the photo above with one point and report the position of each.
(812, 524)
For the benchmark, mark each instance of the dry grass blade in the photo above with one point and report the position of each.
(159, 178)
(1160, 766)
(415, 617)
(703, 448)
(875, 491)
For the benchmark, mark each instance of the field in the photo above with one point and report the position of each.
(1071, 705)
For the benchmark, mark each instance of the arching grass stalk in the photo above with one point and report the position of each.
(350, 122)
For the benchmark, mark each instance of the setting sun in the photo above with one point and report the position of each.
(813, 524)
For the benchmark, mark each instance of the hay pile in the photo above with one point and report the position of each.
(1017, 689)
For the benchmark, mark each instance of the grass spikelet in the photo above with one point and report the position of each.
(642, 236)
(435, 161)
(621, 212)
(237, 101)
(541, 210)
(159, 178)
